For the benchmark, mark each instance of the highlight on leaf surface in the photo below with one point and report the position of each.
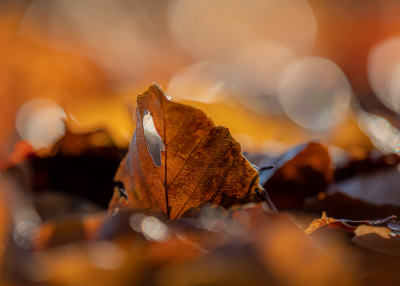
(378, 239)
(350, 226)
(178, 159)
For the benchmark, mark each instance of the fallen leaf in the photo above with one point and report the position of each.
(286, 249)
(367, 266)
(178, 159)
(343, 224)
(301, 172)
(370, 222)
(394, 225)
(378, 239)
(378, 187)
(328, 223)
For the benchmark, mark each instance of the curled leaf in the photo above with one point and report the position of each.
(344, 224)
(178, 159)
(328, 223)
(370, 222)
(394, 225)
(378, 239)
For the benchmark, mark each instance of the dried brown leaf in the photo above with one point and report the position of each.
(378, 239)
(328, 223)
(344, 224)
(180, 159)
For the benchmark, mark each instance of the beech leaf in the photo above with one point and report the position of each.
(344, 224)
(178, 159)
(379, 239)
(328, 223)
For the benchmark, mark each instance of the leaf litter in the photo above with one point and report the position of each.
(189, 209)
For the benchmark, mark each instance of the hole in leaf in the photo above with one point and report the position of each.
(122, 192)
(153, 140)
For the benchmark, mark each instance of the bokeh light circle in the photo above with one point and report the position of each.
(24, 232)
(213, 218)
(40, 122)
(155, 230)
(135, 221)
(384, 72)
(314, 93)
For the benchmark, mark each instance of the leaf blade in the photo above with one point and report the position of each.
(201, 162)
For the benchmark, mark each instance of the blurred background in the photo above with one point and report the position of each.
(276, 73)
